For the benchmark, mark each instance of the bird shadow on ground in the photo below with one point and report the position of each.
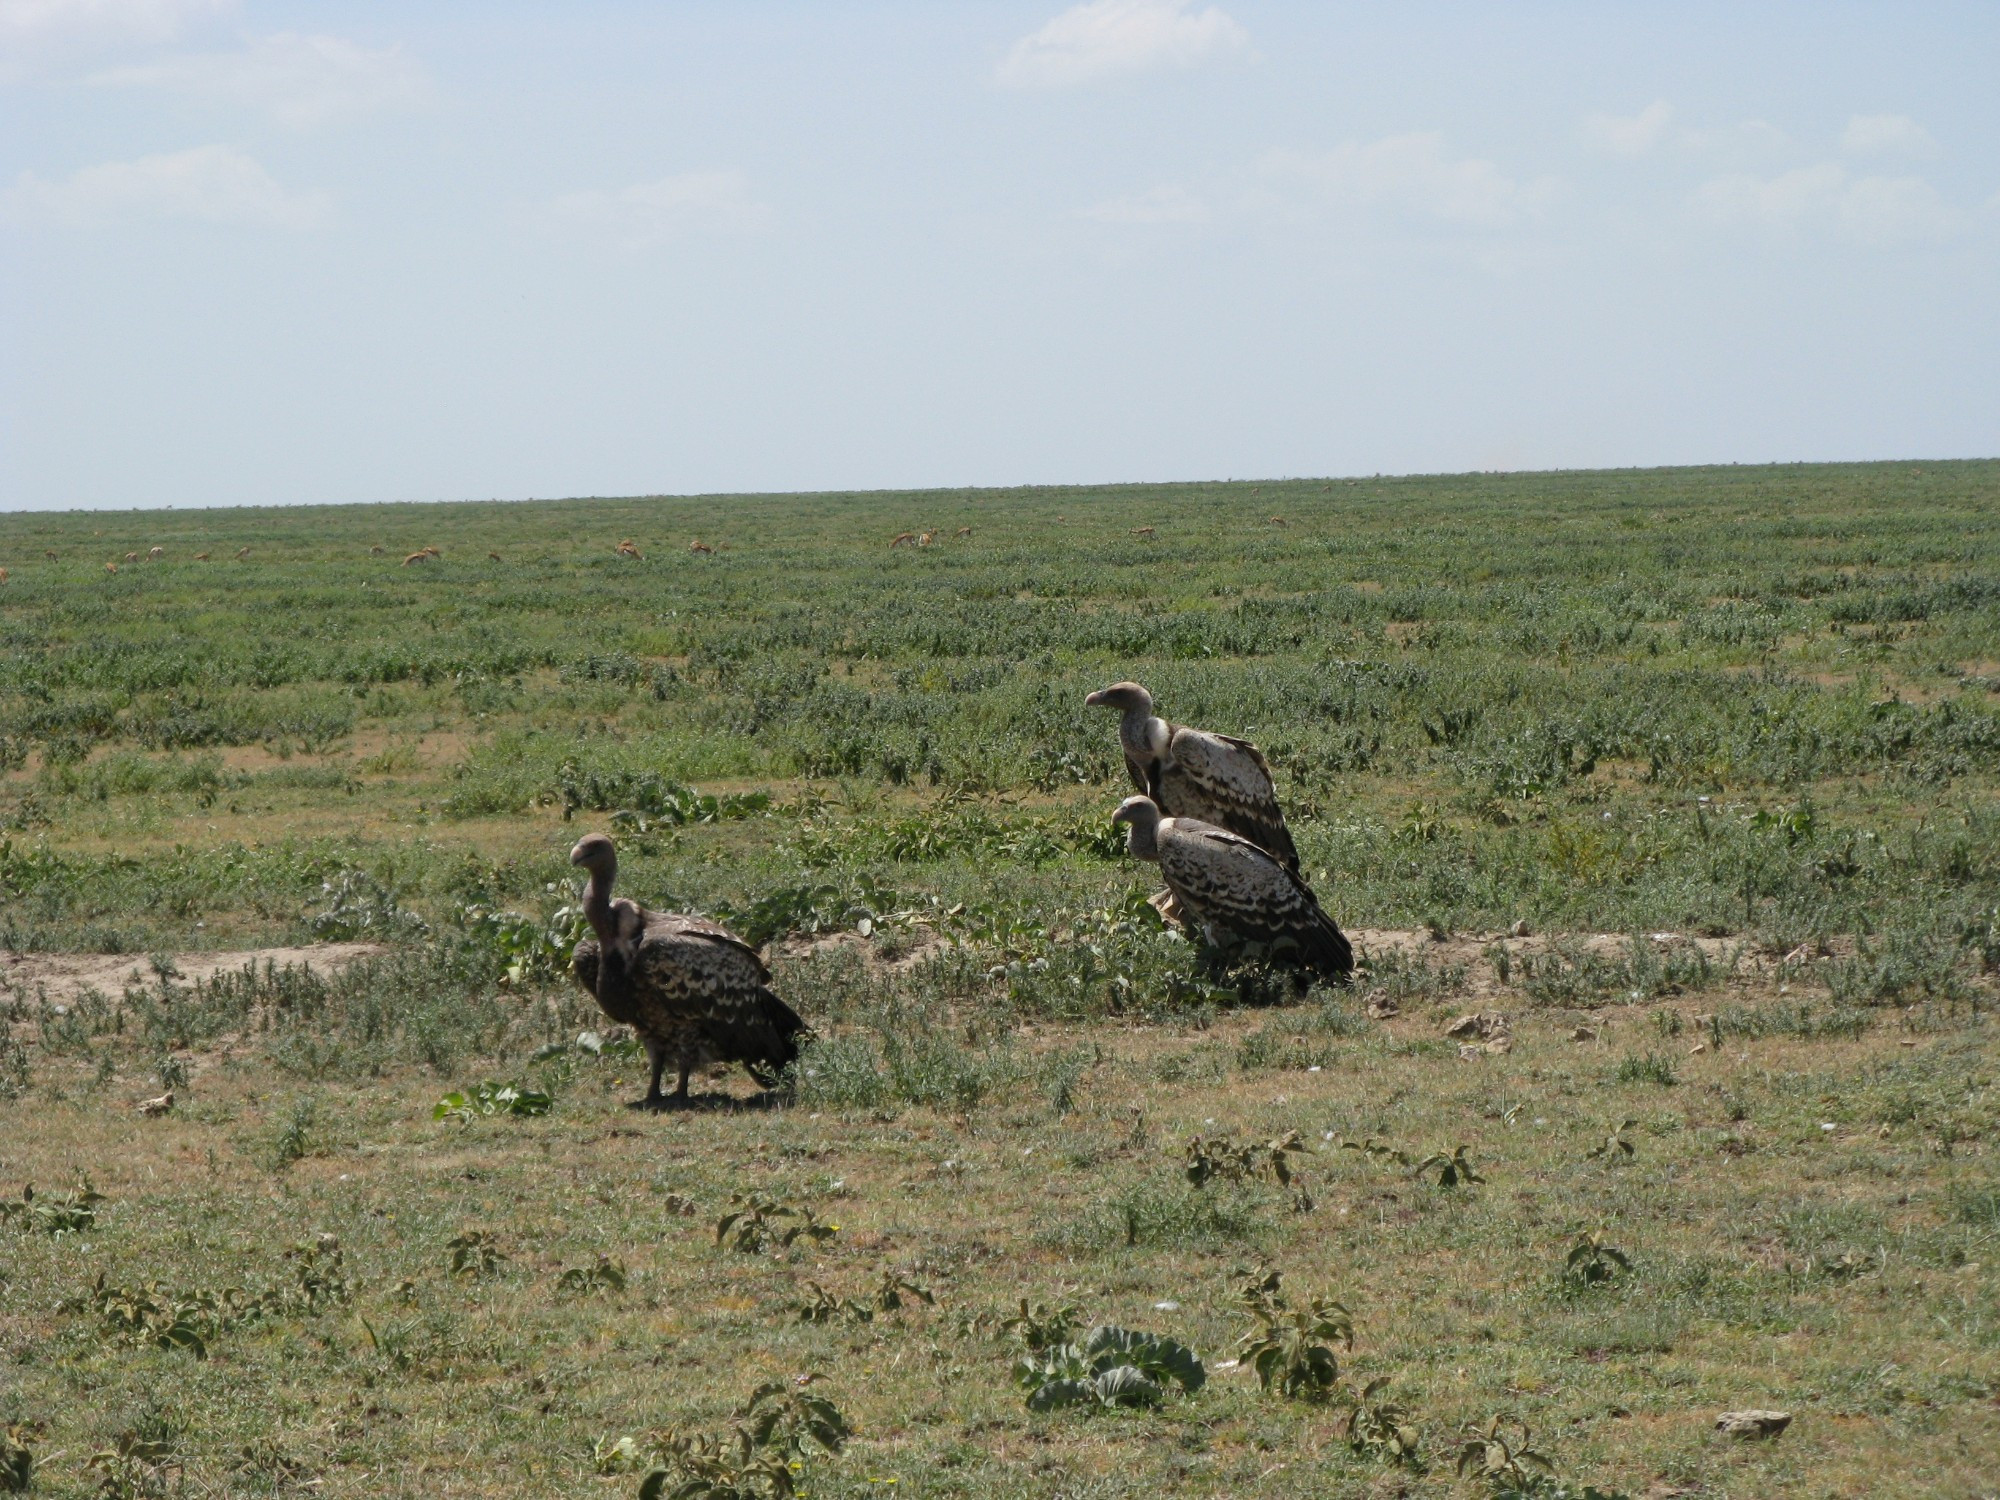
(709, 1104)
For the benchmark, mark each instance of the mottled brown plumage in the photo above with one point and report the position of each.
(1234, 893)
(1191, 773)
(693, 991)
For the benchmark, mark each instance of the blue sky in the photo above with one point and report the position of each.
(271, 253)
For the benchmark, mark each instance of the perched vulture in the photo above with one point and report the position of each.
(1190, 773)
(694, 992)
(1234, 893)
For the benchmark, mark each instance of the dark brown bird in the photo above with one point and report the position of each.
(1234, 893)
(694, 991)
(1191, 773)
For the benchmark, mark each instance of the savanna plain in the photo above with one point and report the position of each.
(1660, 806)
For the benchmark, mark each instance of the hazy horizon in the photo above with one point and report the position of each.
(265, 254)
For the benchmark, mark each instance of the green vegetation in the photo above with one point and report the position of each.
(1670, 795)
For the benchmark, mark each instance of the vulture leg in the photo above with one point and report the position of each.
(654, 1098)
(681, 1092)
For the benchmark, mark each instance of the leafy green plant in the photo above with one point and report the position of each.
(1291, 1347)
(319, 1274)
(1592, 1262)
(602, 1277)
(136, 1465)
(17, 1462)
(474, 1253)
(1378, 1428)
(778, 1430)
(72, 1213)
(531, 949)
(1111, 1367)
(1378, 1151)
(493, 1098)
(1503, 1459)
(757, 1221)
(294, 1142)
(1043, 1327)
(1453, 1167)
(888, 1297)
(1217, 1156)
(149, 1315)
(1616, 1146)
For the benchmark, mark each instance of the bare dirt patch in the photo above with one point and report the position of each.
(58, 976)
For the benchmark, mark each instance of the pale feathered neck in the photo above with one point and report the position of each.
(1142, 835)
(597, 903)
(1142, 732)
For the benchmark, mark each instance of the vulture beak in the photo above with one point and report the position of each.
(1130, 807)
(1096, 699)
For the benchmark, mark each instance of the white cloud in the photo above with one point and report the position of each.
(1629, 135)
(1411, 175)
(1875, 210)
(1104, 38)
(1886, 135)
(36, 34)
(655, 213)
(301, 80)
(215, 184)
(1170, 204)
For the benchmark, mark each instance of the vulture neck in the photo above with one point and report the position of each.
(597, 904)
(1142, 734)
(1142, 838)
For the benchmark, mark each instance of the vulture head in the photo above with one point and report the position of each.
(597, 854)
(1141, 816)
(1126, 697)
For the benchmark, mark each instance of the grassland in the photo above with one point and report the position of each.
(1725, 741)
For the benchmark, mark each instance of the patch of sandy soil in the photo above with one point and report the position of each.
(1747, 966)
(62, 975)
(1468, 951)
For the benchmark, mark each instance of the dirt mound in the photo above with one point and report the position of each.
(59, 976)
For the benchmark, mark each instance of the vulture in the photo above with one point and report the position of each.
(1235, 893)
(1215, 779)
(694, 991)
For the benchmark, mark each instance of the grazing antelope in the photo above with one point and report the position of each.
(903, 539)
(1144, 531)
(925, 538)
(374, 551)
(155, 554)
(131, 557)
(201, 557)
(111, 567)
(698, 545)
(3, 575)
(494, 556)
(629, 548)
(963, 531)
(1279, 521)
(242, 553)
(50, 556)
(416, 557)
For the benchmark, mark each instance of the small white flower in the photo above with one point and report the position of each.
(1166, 1307)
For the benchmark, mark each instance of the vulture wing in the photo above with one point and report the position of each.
(702, 927)
(1221, 780)
(703, 984)
(693, 988)
(1237, 890)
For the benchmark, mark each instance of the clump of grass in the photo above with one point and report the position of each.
(1649, 1068)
